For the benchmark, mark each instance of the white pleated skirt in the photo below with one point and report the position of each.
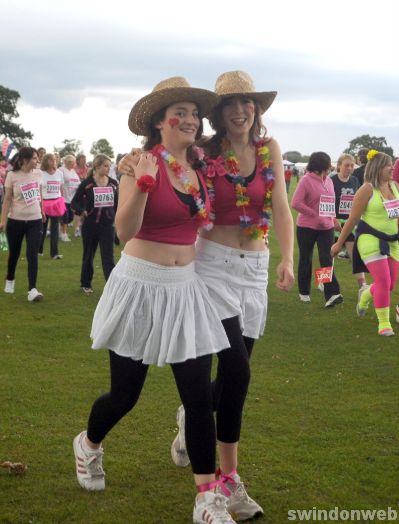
(157, 314)
(237, 283)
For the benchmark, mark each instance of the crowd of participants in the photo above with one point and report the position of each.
(175, 298)
(42, 195)
(352, 213)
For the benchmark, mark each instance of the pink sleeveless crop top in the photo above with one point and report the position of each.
(167, 218)
(224, 204)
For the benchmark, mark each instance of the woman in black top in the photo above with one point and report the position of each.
(96, 200)
(345, 187)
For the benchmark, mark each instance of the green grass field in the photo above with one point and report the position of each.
(320, 426)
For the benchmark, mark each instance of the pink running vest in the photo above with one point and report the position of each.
(166, 218)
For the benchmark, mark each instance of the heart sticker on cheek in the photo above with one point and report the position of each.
(173, 122)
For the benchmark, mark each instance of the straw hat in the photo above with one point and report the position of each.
(167, 92)
(239, 83)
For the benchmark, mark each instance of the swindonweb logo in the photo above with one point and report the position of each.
(337, 514)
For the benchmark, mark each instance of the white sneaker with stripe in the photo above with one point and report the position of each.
(89, 467)
(210, 508)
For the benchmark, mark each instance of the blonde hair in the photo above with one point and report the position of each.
(68, 158)
(45, 161)
(344, 156)
(97, 162)
(374, 167)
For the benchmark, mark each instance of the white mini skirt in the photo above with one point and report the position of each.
(157, 314)
(237, 283)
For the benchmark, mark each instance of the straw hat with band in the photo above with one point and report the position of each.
(167, 92)
(239, 83)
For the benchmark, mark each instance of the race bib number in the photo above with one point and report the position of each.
(74, 183)
(327, 206)
(392, 208)
(53, 188)
(30, 192)
(345, 204)
(103, 196)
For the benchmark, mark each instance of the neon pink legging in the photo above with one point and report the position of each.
(385, 274)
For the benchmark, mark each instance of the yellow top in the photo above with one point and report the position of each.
(376, 215)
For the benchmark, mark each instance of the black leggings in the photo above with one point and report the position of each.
(193, 380)
(16, 231)
(54, 225)
(93, 234)
(230, 387)
(324, 239)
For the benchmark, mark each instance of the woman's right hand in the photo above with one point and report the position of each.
(146, 165)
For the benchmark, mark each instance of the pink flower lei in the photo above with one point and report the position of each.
(182, 176)
(227, 164)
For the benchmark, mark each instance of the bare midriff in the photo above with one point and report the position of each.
(235, 237)
(160, 253)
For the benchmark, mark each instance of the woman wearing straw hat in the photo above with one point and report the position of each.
(154, 308)
(245, 183)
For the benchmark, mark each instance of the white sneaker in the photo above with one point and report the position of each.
(34, 295)
(58, 257)
(334, 300)
(304, 298)
(178, 449)
(9, 287)
(211, 508)
(397, 314)
(78, 233)
(89, 465)
(64, 237)
(239, 504)
(320, 287)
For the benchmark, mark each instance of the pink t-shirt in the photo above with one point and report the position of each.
(312, 199)
(25, 204)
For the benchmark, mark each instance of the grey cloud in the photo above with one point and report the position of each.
(59, 68)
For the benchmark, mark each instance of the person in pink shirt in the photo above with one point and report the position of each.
(22, 217)
(81, 167)
(314, 199)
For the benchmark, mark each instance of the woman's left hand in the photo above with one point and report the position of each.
(285, 276)
(128, 163)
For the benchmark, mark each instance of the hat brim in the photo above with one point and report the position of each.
(142, 111)
(264, 99)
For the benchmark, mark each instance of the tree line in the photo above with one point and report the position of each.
(19, 136)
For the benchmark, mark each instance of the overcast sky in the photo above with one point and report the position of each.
(79, 66)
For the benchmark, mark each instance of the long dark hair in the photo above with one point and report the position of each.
(25, 153)
(154, 135)
(213, 146)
